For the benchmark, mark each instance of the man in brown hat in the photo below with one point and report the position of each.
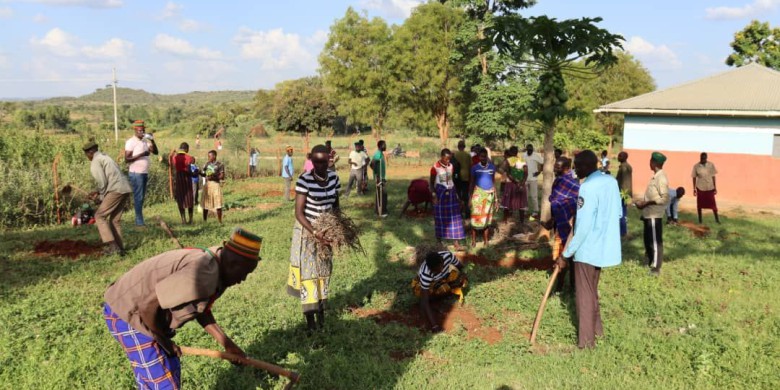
(112, 192)
(145, 306)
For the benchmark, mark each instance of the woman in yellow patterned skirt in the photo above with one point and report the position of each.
(316, 191)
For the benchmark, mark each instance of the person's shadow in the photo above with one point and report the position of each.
(357, 351)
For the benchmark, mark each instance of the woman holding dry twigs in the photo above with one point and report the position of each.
(446, 206)
(316, 192)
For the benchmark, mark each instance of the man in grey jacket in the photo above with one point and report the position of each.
(113, 190)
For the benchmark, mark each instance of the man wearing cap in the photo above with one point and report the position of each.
(357, 161)
(534, 162)
(113, 189)
(137, 151)
(595, 244)
(146, 305)
(288, 171)
(653, 208)
(333, 157)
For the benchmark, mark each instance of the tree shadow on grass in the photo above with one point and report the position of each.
(355, 351)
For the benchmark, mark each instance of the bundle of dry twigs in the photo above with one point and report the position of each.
(341, 233)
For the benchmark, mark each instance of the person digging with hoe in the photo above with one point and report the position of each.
(595, 244)
(146, 305)
(113, 190)
(440, 275)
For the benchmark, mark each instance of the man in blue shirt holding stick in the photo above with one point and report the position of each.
(595, 244)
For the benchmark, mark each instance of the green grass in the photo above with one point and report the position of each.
(712, 320)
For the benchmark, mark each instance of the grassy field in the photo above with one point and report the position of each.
(712, 320)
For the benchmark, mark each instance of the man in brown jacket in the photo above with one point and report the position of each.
(147, 304)
(653, 207)
(113, 190)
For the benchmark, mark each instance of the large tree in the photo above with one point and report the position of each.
(551, 47)
(427, 75)
(355, 65)
(588, 90)
(759, 43)
(493, 97)
(302, 105)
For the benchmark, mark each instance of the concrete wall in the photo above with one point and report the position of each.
(741, 150)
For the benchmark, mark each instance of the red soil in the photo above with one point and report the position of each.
(697, 230)
(66, 248)
(273, 193)
(449, 316)
(543, 264)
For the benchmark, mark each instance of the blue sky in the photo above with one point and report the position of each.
(68, 47)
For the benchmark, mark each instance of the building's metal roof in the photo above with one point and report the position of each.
(752, 90)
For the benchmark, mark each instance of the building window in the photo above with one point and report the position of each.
(776, 147)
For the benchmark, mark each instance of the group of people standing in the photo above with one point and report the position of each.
(187, 183)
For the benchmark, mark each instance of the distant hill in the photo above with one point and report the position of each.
(139, 96)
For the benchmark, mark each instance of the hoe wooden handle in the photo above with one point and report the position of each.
(272, 368)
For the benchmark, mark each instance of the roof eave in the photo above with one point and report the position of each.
(666, 112)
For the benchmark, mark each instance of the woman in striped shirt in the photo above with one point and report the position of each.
(316, 191)
(439, 275)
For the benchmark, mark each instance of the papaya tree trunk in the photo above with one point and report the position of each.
(547, 170)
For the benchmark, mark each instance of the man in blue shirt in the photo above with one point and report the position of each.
(288, 171)
(595, 244)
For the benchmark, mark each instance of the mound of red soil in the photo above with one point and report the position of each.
(273, 193)
(66, 248)
(448, 315)
(542, 264)
(697, 230)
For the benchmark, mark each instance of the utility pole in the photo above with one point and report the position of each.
(116, 119)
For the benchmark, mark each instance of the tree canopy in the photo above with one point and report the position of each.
(757, 42)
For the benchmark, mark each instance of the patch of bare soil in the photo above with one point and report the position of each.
(697, 230)
(66, 248)
(450, 316)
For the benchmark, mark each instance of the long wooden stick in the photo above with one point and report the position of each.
(168, 230)
(55, 177)
(550, 284)
(272, 368)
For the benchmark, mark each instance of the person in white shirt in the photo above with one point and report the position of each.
(534, 162)
(357, 162)
(137, 151)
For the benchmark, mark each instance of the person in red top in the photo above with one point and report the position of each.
(417, 194)
(183, 182)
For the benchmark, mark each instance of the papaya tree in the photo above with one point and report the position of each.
(552, 47)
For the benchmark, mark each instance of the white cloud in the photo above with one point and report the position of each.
(63, 44)
(275, 49)
(168, 44)
(318, 38)
(653, 56)
(82, 3)
(6, 12)
(190, 25)
(58, 42)
(171, 11)
(756, 8)
(391, 8)
(40, 18)
(113, 48)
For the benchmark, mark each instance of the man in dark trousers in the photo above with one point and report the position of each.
(378, 164)
(145, 306)
(595, 244)
(653, 208)
(625, 181)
